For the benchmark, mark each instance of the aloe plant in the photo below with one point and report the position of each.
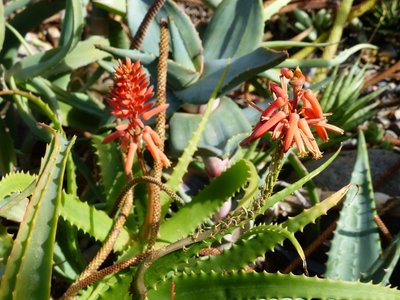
(55, 212)
(356, 233)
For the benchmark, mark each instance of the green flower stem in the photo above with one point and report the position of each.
(337, 30)
(278, 158)
(335, 35)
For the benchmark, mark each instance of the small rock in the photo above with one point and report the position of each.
(395, 128)
(397, 114)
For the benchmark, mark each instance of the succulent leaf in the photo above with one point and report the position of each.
(279, 196)
(205, 203)
(28, 271)
(266, 286)
(217, 133)
(13, 199)
(356, 244)
(236, 29)
(109, 160)
(382, 269)
(184, 37)
(241, 69)
(94, 222)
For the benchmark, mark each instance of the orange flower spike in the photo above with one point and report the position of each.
(260, 131)
(129, 102)
(112, 136)
(278, 91)
(293, 126)
(129, 158)
(164, 160)
(153, 149)
(316, 107)
(322, 133)
(287, 73)
(275, 105)
(154, 136)
(150, 113)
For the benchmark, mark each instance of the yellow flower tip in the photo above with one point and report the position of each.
(164, 160)
(290, 119)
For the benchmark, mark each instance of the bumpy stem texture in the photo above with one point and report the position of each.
(148, 18)
(154, 206)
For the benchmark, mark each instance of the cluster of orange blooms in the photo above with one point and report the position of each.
(291, 120)
(129, 101)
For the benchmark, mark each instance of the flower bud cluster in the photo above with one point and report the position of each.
(292, 120)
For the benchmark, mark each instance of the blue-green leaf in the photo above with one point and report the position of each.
(185, 41)
(235, 30)
(356, 244)
(241, 69)
(382, 269)
(179, 76)
(114, 6)
(217, 133)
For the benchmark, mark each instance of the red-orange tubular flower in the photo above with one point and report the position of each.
(291, 120)
(129, 101)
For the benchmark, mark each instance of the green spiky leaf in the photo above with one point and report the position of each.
(113, 179)
(8, 156)
(28, 270)
(112, 287)
(12, 185)
(94, 222)
(6, 242)
(382, 269)
(266, 286)
(263, 238)
(356, 244)
(280, 196)
(310, 215)
(2, 25)
(206, 202)
(256, 241)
